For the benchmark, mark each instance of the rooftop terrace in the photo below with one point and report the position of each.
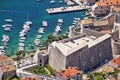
(73, 44)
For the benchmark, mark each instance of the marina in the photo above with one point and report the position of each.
(36, 14)
(23, 34)
(65, 9)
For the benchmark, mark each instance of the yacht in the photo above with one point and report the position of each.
(28, 23)
(21, 44)
(52, 1)
(2, 47)
(44, 23)
(8, 20)
(60, 20)
(78, 19)
(39, 36)
(21, 48)
(5, 43)
(70, 3)
(5, 38)
(22, 40)
(37, 41)
(7, 25)
(41, 30)
(58, 29)
(22, 34)
(7, 29)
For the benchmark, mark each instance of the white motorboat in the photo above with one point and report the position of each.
(21, 44)
(44, 23)
(70, 3)
(5, 43)
(60, 20)
(21, 40)
(5, 38)
(7, 25)
(41, 30)
(2, 47)
(58, 29)
(78, 19)
(7, 29)
(21, 48)
(39, 36)
(28, 23)
(8, 20)
(52, 1)
(37, 41)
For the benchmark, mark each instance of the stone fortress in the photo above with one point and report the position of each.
(86, 51)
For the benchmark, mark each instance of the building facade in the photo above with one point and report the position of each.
(41, 57)
(103, 7)
(89, 2)
(85, 52)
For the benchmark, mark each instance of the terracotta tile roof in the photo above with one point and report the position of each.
(101, 3)
(7, 68)
(116, 61)
(106, 31)
(70, 71)
(116, 9)
(108, 3)
(4, 58)
(30, 78)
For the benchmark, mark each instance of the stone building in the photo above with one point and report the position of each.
(103, 7)
(71, 73)
(41, 57)
(86, 51)
(89, 2)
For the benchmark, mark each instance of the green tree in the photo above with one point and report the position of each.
(20, 54)
(99, 77)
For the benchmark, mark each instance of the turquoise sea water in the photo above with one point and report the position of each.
(20, 10)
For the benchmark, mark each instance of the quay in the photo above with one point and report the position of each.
(66, 9)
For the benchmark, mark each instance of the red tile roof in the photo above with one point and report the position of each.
(108, 3)
(116, 61)
(70, 71)
(6, 67)
(4, 58)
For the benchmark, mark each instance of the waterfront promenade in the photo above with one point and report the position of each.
(65, 9)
